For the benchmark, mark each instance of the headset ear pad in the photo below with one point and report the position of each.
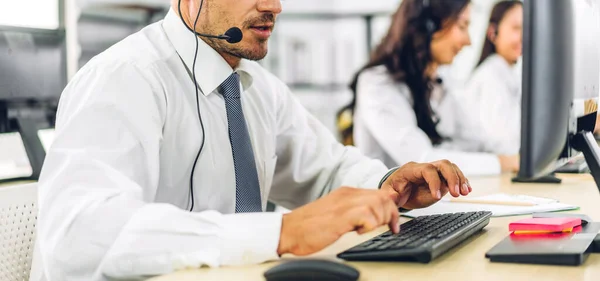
(427, 18)
(430, 26)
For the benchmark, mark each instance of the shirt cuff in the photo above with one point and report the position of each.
(392, 171)
(250, 238)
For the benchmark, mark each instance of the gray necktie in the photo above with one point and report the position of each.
(247, 188)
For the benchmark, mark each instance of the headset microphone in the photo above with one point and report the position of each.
(232, 36)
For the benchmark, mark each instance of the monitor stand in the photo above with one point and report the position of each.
(28, 128)
(545, 179)
(586, 143)
(28, 120)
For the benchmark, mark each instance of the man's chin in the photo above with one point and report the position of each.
(254, 54)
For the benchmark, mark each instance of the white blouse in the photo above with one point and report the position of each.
(492, 99)
(385, 127)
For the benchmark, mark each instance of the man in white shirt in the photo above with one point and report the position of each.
(135, 185)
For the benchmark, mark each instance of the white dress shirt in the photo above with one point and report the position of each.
(492, 99)
(115, 188)
(385, 127)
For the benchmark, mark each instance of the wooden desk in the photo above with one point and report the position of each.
(465, 262)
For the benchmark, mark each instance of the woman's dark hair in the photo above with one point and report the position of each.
(498, 13)
(406, 52)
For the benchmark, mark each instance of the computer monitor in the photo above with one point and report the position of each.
(551, 79)
(33, 74)
(33, 63)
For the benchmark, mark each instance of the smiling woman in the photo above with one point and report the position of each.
(401, 111)
(46, 14)
(492, 96)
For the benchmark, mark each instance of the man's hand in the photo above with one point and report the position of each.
(317, 225)
(415, 186)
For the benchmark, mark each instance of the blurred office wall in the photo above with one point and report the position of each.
(316, 49)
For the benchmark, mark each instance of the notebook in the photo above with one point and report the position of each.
(552, 249)
(543, 225)
(542, 205)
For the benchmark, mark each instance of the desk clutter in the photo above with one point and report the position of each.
(546, 238)
(551, 241)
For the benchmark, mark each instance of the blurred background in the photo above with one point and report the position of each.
(317, 47)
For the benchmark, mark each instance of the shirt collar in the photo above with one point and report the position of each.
(211, 68)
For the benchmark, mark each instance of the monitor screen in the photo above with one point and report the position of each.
(560, 63)
(549, 52)
(43, 14)
(32, 64)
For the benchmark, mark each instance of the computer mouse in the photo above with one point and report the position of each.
(312, 270)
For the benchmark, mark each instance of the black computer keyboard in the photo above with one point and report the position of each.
(421, 239)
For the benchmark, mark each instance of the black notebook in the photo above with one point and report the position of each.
(552, 249)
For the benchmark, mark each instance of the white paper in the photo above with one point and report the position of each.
(543, 205)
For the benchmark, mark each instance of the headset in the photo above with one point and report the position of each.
(427, 16)
(430, 28)
(233, 35)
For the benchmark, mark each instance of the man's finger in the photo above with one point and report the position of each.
(466, 186)
(392, 209)
(431, 176)
(385, 201)
(366, 224)
(451, 176)
(377, 210)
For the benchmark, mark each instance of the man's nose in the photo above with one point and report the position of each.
(269, 6)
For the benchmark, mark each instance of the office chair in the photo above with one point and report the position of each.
(18, 217)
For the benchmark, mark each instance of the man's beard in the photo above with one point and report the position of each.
(254, 54)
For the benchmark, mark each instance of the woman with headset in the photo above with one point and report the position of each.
(400, 112)
(493, 93)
